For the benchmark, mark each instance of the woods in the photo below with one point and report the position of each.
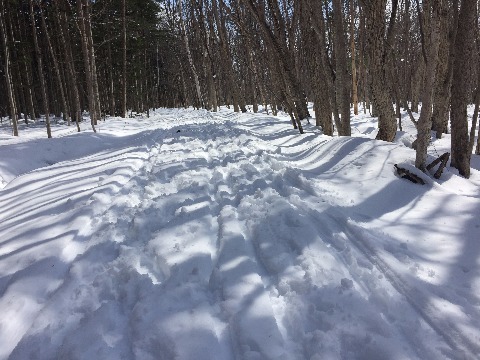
(80, 59)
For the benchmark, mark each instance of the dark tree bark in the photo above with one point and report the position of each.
(8, 78)
(286, 65)
(376, 54)
(87, 57)
(342, 84)
(123, 81)
(326, 97)
(66, 47)
(477, 104)
(56, 66)
(353, 56)
(461, 84)
(444, 72)
(193, 68)
(226, 53)
(425, 120)
(41, 74)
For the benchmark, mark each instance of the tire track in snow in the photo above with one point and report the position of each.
(463, 347)
(237, 276)
(358, 237)
(246, 302)
(466, 348)
(120, 282)
(169, 205)
(136, 230)
(72, 297)
(188, 254)
(285, 259)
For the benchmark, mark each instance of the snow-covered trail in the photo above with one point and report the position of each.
(226, 236)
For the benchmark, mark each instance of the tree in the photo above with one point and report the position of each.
(377, 62)
(41, 74)
(56, 66)
(342, 85)
(123, 96)
(83, 24)
(276, 39)
(62, 25)
(353, 56)
(461, 85)
(444, 72)
(8, 78)
(433, 14)
(193, 68)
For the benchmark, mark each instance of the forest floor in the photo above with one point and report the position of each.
(198, 235)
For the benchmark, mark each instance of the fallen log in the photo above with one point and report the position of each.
(443, 159)
(405, 174)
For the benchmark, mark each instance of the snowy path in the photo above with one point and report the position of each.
(226, 236)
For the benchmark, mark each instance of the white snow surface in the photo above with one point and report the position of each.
(198, 235)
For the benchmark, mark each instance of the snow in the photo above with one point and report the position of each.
(198, 235)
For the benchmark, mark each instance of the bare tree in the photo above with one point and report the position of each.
(88, 57)
(342, 85)
(193, 68)
(41, 74)
(66, 47)
(56, 66)
(123, 87)
(376, 54)
(353, 56)
(425, 121)
(461, 84)
(6, 51)
(276, 39)
(444, 72)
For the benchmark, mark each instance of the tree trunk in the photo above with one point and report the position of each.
(226, 54)
(475, 112)
(6, 51)
(41, 74)
(123, 84)
(81, 21)
(63, 31)
(446, 56)
(353, 55)
(93, 63)
(416, 83)
(425, 120)
(342, 86)
(111, 81)
(326, 92)
(375, 29)
(474, 122)
(193, 69)
(462, 74)
(362, 68)
(29, 85)
(285, 62)
(66, 110)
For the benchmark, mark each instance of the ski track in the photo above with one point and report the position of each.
(233, 272)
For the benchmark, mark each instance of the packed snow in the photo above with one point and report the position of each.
(199, 235)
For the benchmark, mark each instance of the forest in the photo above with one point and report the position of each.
(83, 60)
